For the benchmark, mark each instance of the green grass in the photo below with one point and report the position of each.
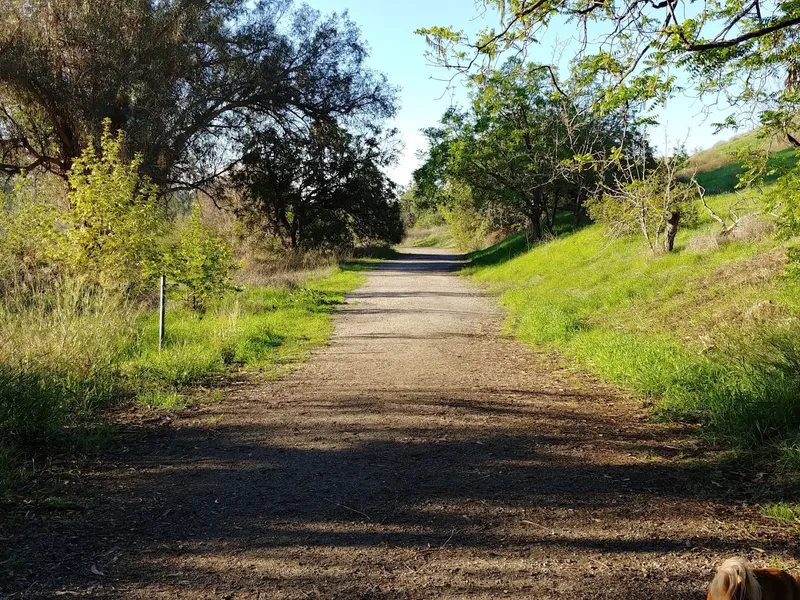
(162, 400)
(258, 328)
(724, 178)
(432, 237)
(66, 355)
(783, 512)
(722, 153)
(502, 251)
(710, 335)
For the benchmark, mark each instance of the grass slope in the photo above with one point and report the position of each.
(710, 335)
(429, 237)
(717, 170)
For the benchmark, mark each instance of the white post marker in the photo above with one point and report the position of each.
(161, 305)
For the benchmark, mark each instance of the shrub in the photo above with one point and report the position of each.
(27, 227)
(201, 263)
(653, 205)
(468, 227)
(783, 200)
(109, 234)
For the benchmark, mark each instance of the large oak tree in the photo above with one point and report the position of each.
(188, 80)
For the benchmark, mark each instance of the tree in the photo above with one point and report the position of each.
(650, 201)
(516, 149)
(322, 187)
(188, 80)
(108, 235)
(747, 52)
(505, 149)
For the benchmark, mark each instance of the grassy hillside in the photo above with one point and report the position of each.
(710, 332)
(717, 169)
(429, 237)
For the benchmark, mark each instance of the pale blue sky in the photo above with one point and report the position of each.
(389, 28)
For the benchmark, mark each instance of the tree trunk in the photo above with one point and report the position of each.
(551, 220)
(578, 215)
(535, 218)
(671, 218)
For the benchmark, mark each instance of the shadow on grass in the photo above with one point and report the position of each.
(724, 179)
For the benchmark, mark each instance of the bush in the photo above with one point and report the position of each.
(109, 235)
(783, 200)
(201, 263)
(27, 227)
(468, 227)
(653, 206)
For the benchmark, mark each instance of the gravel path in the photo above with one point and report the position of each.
(420, 455)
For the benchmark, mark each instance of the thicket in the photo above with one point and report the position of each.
(240, 152)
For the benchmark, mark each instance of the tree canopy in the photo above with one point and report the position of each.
(267, 95)
(186, 80)
(742, 55)
(322, 187)
(525, 150)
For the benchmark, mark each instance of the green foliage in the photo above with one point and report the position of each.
(628, 53)
(27, 227)
(526, 151)
(437, 237)
(108, 236)
(201, 263)
(70, 352)
(188, 83)
(653, 203)
(683, 328)
(418, 210)
(467, 226)
(322, 188)
(783, 200)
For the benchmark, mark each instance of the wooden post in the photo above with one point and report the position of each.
(161, 306)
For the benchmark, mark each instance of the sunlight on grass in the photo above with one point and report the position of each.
(707, 334)
(255, 329)
(784, 513)
(162, 400)
(66, 355)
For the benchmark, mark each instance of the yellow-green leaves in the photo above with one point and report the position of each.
(201, 263)
(108, 234)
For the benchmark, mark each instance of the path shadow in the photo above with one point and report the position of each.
(469, 476)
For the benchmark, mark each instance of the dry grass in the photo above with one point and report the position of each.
(720, 154)
(751, 228)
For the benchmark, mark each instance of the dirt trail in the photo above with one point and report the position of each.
(420, 455)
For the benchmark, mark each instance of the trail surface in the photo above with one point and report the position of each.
(420, 455)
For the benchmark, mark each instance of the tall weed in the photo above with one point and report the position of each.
(59, 351)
